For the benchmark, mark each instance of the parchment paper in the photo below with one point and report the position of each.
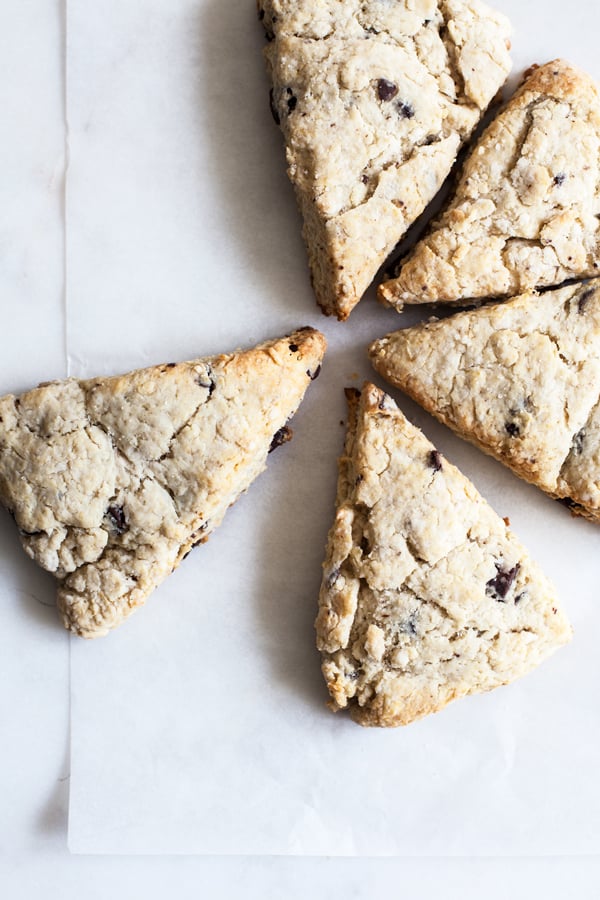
(200, 726)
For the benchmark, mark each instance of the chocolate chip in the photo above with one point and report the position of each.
(116, 517)
(578, 441)
(560, 179)
(280, 437)
(499, 586)
(386, 90)
(314, 375)
(435, 460)
(292, 101)
(294, 348)
(206, 382)
(170, 365)
(364, 179)
(513, 429)
(333, 577)
(274, 112)
(520, 596)
(409, 626)
(584, 299)
(568, 502)
(406, 110)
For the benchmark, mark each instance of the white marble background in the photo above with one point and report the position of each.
(34, 704)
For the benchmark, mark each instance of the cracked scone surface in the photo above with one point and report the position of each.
(520, 379)
(374, 99)
(426, 594)
(525, 211)
(112, 481)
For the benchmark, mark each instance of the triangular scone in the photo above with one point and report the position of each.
(520, 379)
(525, 212)
(374, 100)
(426, 594)
(112, 481)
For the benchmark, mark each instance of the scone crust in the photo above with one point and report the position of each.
(112, 481)
(374, 101)
(426, 594)
(525, 211)
(519, 380)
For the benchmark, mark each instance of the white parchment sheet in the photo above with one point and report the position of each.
(200, 726)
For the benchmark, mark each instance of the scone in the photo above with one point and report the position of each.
(525, 212)
(374, 100)
(112, 481)
(426, 594)
(520, 379)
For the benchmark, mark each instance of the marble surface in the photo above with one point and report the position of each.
(34, 691)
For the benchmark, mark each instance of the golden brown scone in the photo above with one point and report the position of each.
(374, 100)
(525, 211)
(426, 594)
(112, 481)
(520, 380)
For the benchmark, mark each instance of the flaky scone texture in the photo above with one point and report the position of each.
(520, 379)
(426, 594)
(374, 100)
(112, 481)
(525, 211)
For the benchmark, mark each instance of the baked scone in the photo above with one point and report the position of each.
(112, 481)
(525, 212)
(374, 100)
(520, 379)
(426, 594)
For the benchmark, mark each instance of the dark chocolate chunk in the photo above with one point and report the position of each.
(364, 179)
(386, 90)
(170, 365)
(520, 596)
(584, 298)
(499, 586)
(274, 112)
(294, 348)
(280, 437)
(116, 517)
(560, 179)
(314, 375)
(513, 429)
(406, 110)
(435, 460)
